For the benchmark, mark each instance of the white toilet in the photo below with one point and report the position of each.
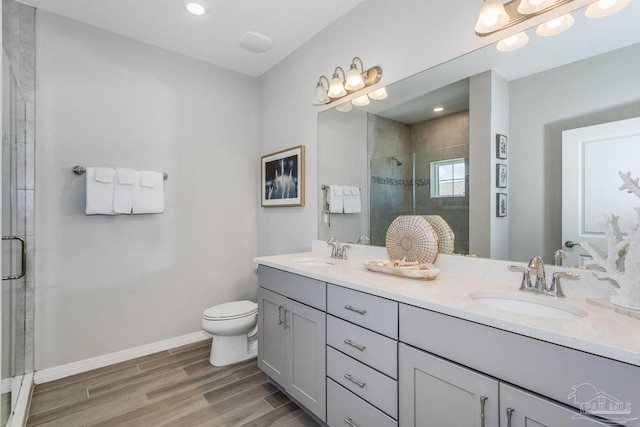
(234, 326)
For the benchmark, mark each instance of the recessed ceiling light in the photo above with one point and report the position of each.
(195, 7)
(438, 109)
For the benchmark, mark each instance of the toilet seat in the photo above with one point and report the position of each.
(231, 310)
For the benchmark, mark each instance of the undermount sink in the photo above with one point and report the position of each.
(531, 305)
(317, 262)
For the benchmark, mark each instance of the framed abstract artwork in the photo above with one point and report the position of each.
(283, 178)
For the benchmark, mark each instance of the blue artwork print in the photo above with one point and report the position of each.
(281, 178)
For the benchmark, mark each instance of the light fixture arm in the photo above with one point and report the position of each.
(353, 64)
(335, 74)
(320, 82)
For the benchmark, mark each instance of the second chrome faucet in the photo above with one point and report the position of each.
(537, 265)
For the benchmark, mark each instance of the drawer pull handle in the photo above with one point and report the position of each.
(509, 414)
(354, 345)
(355, 310)
(355, 381)
(280, 321)
(349, 422)
(483, 400)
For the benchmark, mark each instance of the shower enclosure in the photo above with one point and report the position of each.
(13, 298)
(402, 185)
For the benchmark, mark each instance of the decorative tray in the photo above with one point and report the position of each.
(411, 270)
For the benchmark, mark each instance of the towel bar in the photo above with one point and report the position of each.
(80, 170)
(326, 187)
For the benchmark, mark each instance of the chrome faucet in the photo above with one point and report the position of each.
(558, 256)
(537, 264)
(363, 240)
(336, 249)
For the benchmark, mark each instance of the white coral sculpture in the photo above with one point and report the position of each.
(621, 263)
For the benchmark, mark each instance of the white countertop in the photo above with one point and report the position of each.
(603, 332)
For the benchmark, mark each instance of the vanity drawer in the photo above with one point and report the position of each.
(379, 351)
(299, 288)
(374, 387)
(345, 408)
(372, 312)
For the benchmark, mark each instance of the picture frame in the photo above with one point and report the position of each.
(501, 204)
(501, 146)
(501, 175)
(282, 178)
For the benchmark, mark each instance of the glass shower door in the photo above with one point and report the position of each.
(12, 357)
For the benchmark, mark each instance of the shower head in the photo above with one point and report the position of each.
(398, 162)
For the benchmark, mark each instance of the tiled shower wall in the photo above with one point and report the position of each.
(391, 191)
(18, 40)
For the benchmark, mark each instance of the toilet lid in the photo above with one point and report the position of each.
(231, 310)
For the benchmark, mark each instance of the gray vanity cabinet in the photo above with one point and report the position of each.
(435, 392)
(292, 338)
(521, 409)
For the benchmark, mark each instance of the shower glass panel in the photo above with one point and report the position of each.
(12, 358)
(400, 185)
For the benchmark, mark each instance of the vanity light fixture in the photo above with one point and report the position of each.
(495, 16)
(354, 79)
(348, 83)
(195, 7)
(514, 42)
(320, 96)
(344, 108)
(336, 87)
(361, 101)
(604, 8)
(378, 94)
(555, 25)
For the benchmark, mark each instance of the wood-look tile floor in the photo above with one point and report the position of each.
(177, 388)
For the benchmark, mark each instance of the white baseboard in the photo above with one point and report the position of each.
(62, 371)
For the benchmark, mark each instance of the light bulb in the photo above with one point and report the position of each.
(555, 26)
(195, 8)
(354, 79)
(336, 88)
(512, 43)
(603, 8)
(320, 95)
(361, 101)
(378, 94)
(492, 17)
(344, 108)
(532, 6)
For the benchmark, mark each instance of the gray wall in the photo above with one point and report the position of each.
(112, 283)
(344, 156)
(404, 37)
(597, 90)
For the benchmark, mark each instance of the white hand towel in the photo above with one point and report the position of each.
(123, 192)
(148, 193)
(335, 199)
(352, 203)
(100, 186)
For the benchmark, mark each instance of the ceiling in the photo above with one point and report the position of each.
(214, 37)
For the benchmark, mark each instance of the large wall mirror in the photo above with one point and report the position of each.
(408, 159)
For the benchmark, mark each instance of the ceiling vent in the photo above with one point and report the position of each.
(255, 42)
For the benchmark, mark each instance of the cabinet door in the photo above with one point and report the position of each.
(307, 381)
(434, 392)
(272, 335)
(522, 409)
